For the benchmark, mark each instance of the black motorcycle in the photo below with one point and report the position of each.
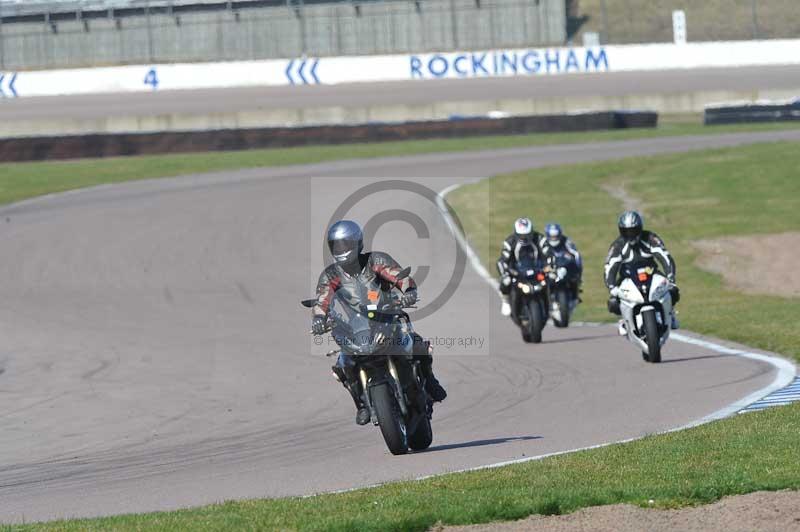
(529, 299)
(562, 287)
(377, 336)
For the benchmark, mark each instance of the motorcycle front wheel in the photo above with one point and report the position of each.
(562, 300)
(535, 322)
(650, 324)
(390, 419)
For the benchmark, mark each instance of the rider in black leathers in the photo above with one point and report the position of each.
(634, 245)
(556, 242)
(352, 272)
(523, 237)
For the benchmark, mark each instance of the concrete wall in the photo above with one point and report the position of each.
(281, 32)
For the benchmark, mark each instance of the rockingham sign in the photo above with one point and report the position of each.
(300, 71)
(508, 63)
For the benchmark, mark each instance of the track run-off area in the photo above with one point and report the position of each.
(155, 354)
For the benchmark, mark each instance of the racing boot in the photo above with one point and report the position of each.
(362, 416)
(622, 329)
(674, 323)
(432, 384)
(423, 353)
(362, 412)
(505, 306)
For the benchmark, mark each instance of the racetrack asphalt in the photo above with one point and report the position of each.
(154, 354)
(407, 93)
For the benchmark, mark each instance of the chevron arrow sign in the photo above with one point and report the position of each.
(303, 71)
(8, 82)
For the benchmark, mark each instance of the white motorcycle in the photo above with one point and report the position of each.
(646, 307)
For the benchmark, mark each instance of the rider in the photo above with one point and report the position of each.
(523, 237)
(352, 272)
(633, 245)
(556, 242)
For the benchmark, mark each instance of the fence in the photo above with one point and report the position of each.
(291, 30)
(645, 21)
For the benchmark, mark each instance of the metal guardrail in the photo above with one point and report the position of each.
(32, 7)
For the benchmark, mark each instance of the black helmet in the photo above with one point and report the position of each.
(630, 225)
(345, 240)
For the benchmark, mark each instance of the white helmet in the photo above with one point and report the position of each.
(523, 227)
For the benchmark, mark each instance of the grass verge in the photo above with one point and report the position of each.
(19, 181)
(743, 454)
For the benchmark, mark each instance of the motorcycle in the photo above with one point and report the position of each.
(378, 337)
(646, 307)
(563, 294)
(529, 299)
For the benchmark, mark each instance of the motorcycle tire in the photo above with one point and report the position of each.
(422, 437)
(562, 299)
(390, 419)
(535, 321)
(650, 324)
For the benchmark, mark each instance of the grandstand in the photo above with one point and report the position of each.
(41, 34)
(95, 33)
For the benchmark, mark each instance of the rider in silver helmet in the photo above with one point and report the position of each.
(352, 271)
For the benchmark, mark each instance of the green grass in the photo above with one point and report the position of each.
(747, 453)
(738, 191)
(24, 180)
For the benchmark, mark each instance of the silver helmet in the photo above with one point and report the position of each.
(345, 241)
(631, 225)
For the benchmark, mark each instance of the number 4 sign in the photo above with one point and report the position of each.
(151, 78)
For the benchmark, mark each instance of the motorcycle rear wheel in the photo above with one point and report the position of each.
(422, 437)
(390, 419)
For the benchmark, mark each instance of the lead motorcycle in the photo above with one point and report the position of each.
(528, 298)
(377, 335)
(646, 307)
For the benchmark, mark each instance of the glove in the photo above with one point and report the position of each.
(614, 291)
(318, 325)
(505, 280)
(409, 298)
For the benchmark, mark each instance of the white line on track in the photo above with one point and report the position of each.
(786, 371)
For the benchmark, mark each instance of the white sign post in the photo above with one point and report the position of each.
(679, 26)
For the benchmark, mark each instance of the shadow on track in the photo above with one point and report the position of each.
(480, 443)
(580, 338)
(691, 359)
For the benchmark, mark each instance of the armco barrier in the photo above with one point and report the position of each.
(755, 112)
(83, 146)
(357, 69)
